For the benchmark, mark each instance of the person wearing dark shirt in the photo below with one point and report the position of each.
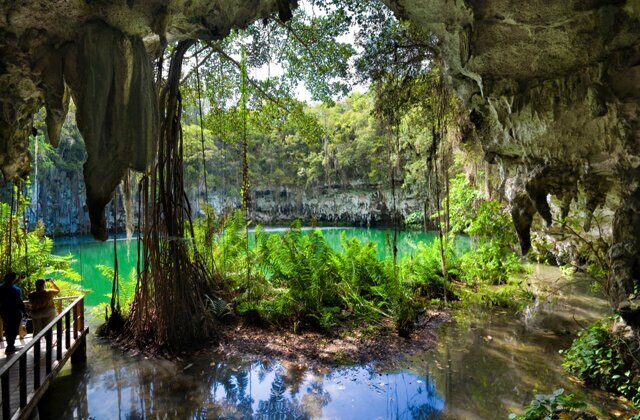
(11, 310)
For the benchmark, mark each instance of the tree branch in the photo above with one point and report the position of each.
(252, 82)
(201, 62)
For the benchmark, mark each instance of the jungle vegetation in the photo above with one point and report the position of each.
(240, 127)
(381, 113)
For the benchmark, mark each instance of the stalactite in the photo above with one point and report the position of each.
(129, 214)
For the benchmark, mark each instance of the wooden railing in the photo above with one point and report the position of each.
(58, 345)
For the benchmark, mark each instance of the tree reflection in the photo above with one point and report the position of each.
(240, 388)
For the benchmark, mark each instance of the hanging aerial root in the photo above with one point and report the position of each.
(170, 310)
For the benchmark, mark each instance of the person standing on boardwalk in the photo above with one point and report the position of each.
(43, 310)
(11, 309)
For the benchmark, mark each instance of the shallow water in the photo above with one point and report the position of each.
(486, 364)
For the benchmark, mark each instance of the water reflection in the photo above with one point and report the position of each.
(486, 364)
(115, 386)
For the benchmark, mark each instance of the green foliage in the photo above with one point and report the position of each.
(423, 270)
(30, 252)
(296, 279)
(127, 288)
(603, 358)
(545, 407)
(463, 204)
(414, 219)
(493, 258)
(512, 295)
(317, 286)
(223, 242)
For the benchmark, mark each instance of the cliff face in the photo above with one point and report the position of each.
(354, 206)
(61, 206)
(553, 92)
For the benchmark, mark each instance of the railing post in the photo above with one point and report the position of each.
(67, 330)
(76, 322)
(80, 355)
(81, 309)
(59, 339)
(6, 396)
(23, 380)
(36, 364)
(48, 350)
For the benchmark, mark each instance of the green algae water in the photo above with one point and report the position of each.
(485, 364)
(90, 254)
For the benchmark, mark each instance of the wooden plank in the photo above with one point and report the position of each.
(26, 375)
(6, 396)
(36, 395)
(33, 391)
(23, 379)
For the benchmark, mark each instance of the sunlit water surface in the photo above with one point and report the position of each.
(486, 364)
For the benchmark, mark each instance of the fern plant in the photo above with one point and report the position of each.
(31, 253)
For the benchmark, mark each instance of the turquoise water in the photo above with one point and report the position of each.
(89, 254)
(486, 364)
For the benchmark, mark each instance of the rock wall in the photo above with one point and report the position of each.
(61, 205)
(359, 206)
(553, 95)
(356, 205)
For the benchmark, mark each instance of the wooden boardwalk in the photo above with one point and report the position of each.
(26, 374)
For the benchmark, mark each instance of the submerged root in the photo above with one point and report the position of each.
(114, 326)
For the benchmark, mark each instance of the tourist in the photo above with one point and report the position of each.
(43, 310)
(11, 309)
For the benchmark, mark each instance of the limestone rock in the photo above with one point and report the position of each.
(553, 90)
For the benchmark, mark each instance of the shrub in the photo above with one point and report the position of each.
(550, 406)
(423, 270)
(603, 358)
(415, 219)
(493, 259)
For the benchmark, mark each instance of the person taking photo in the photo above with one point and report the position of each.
(43, 309)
